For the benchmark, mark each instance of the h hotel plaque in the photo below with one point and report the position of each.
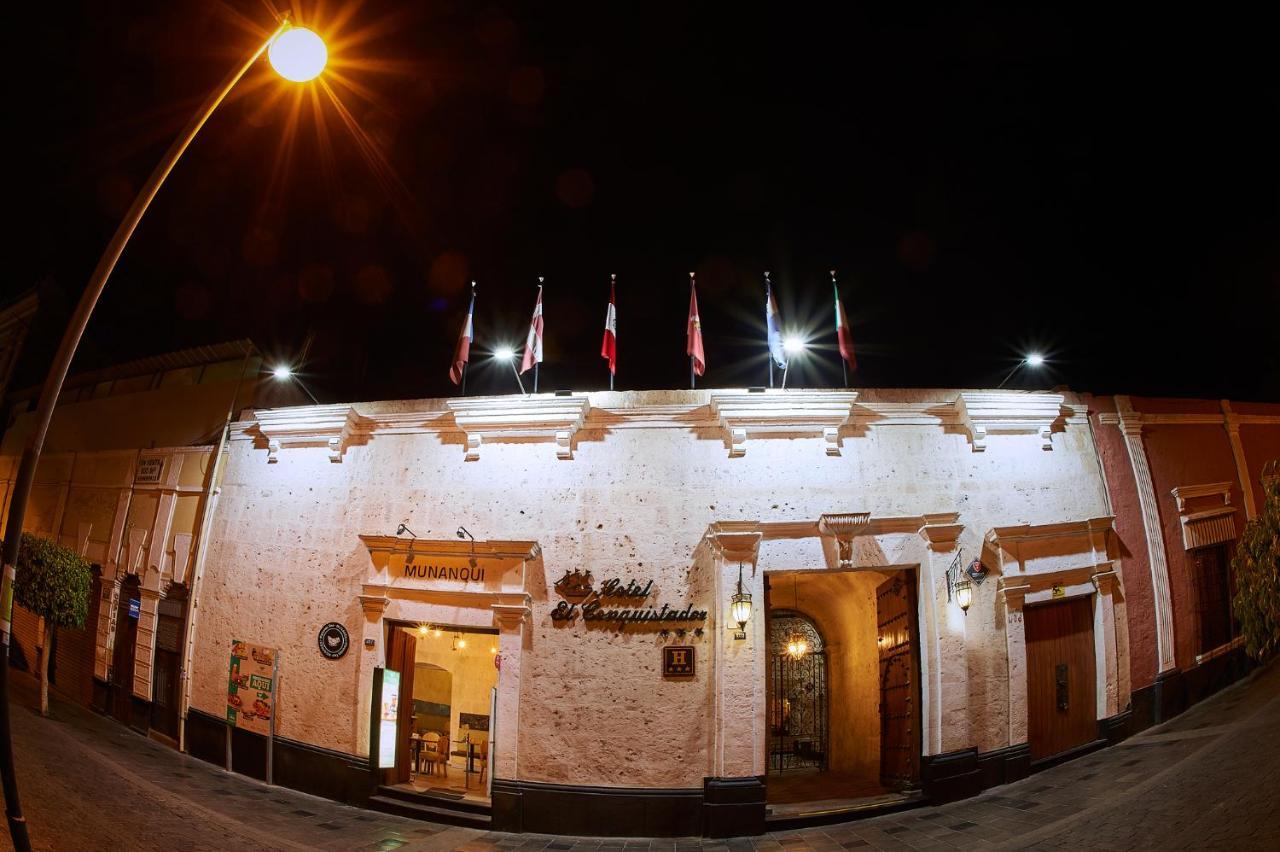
(677, 661)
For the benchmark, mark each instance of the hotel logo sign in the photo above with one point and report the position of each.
(616, 602)
(677, 661)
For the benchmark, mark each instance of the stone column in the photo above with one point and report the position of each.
(372, 655)
(1237, 451)
(1105, 648)
(505, 736)
(1016, 644)
(944, 657)
(1131, 427)
(144, 649)
(111, 576)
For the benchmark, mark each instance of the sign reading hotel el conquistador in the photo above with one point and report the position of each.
(616, 602)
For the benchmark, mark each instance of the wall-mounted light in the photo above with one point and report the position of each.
(464, 533)
(740, 608)
(964, 594)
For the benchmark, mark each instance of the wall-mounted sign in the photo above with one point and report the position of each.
(1059, 592)
(150, 469)
(615, 602)
(135, 605)
(435, 569)
(388, 715)
(333, 640)
(977, 572)
(677, 661)
(251, 688)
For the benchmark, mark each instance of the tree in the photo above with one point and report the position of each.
(52, 582)
(1257, 570)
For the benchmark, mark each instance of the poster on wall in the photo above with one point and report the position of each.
(251, 688)
(388, 715)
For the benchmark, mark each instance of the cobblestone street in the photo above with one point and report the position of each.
(1209, 779)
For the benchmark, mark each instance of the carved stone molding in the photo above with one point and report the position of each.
(555, 418)
(1206, 514)
(819, 413)
(1010, 413)
(1032, 549)
(328, 426)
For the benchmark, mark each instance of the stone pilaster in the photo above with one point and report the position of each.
(1237, 452)
(1016, 643)
(1131, 427)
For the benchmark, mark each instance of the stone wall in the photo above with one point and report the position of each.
(628, 488)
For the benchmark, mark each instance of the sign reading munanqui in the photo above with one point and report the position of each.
(616, 602)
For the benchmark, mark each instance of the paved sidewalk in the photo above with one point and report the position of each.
(1209, 779)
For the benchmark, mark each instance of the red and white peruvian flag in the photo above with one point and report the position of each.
(533, 343)
(843, 336)
(609, 348)
(693, 333)
(462, 354)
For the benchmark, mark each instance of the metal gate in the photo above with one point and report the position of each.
(798, 699)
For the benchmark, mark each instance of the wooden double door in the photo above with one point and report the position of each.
(897, 638)
(1061, 686)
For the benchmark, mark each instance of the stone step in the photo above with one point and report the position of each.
(426, 797)
(428, 813)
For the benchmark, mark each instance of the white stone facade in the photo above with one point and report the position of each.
(678, 487)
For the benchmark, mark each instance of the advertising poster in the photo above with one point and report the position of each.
(251, 687)
(388, 715)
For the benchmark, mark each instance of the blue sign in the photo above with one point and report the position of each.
(133, 607)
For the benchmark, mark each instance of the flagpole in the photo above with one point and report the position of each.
(464, 378)
(535, 376)
(767, 292)
(693, 385)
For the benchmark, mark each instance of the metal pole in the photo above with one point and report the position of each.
(611, 380)
(536, 365)
(518, 381)
(693, 383)
(44, 414)
(770, 357)
(465, 364)
(844, 368)
(784, 374)
(1009, 375)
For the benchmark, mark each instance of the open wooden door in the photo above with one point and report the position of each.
(896, 639)
(402, 657)
(1062, 708)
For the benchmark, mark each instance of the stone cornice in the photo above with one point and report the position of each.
(782, 412)
(1000, 412)
(497, 418)
(1183, 493)
(329, 426)
(525, 550)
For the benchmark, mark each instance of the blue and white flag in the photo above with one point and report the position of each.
(774, 323)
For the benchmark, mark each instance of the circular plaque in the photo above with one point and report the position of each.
(333, 640)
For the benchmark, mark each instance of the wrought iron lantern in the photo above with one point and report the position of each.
(964, 595)
(740, 608)
(797, 645)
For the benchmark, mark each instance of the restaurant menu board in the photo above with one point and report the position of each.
(388, 715)
(251, 687)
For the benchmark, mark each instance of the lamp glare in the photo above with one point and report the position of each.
(298, 54)
(282, 372)
(504, 353)
(1035, 359)
(793, 345)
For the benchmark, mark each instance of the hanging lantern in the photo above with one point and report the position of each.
(964, 595)
(740, 608)
(797, 645)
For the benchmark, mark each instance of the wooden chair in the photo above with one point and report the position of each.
(432, 753)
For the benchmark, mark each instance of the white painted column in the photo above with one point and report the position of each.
(371, 655)
(1104, 642)
(1131, 427)
(1237, 451)
(1016, 646)
(505, 736)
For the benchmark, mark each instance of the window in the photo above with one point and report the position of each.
(1211, 574)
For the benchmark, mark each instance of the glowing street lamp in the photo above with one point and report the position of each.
(794, 347)
(296, 54)
(506, 353)
(283, 373)
(1031, 359)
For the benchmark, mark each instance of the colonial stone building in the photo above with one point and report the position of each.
(591, 547)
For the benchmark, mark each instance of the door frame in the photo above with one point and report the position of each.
(1037, 606)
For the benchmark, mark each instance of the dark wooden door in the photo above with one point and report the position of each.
(122, 656)
(166, 693)
(402, 657)
(899, 681)
(1061, 698)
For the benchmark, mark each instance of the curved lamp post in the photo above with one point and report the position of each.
(297, 54)
(1033, 359)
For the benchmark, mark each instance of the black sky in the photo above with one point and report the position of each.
(1105, 190)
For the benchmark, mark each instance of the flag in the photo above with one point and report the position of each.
(609, 348)
(694, 334)
(773, 323)
(533, 343)
(843, 336)
(462, 352)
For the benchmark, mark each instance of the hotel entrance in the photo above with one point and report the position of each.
(843, 689)
(446, 700)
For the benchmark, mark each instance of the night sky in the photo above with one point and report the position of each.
(1104, 190)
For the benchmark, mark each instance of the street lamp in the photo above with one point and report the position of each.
(794, 347)
(506, 353)
(1031, 359)
(284, 373)
(298, 56)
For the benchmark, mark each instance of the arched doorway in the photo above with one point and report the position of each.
(798, 711)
